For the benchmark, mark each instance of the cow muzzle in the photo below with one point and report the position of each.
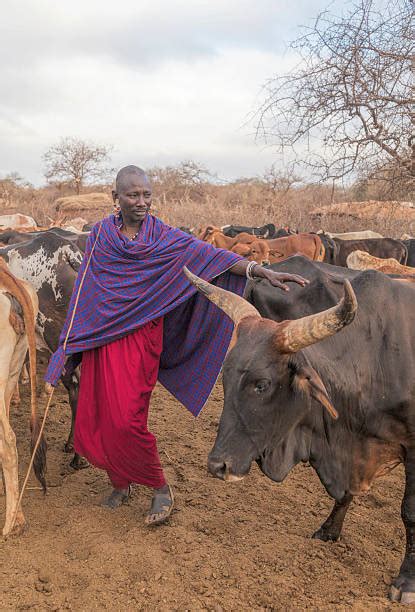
(223, 470)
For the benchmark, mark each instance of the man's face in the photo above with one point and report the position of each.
(133, 197)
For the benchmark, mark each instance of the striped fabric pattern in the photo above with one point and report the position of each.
(129, 283)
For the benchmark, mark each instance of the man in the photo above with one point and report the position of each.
(135, 317)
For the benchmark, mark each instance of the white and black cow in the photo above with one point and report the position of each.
(50, 263)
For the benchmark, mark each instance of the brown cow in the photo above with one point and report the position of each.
(266, 251)
(213, 235)
(271, 251)
(360, 260)
(256, 251)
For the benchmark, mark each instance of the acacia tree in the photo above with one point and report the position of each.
(347, 108)
(77, 162)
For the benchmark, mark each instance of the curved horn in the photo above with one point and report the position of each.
(293, 336)
(234, 306)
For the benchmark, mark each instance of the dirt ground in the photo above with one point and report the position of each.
(242, 546)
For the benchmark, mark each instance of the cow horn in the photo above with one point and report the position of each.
(234, 306)
(293, 336)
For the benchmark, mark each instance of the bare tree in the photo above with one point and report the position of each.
(347, 108)
(186, 180)
(281, 181)
(77, 162)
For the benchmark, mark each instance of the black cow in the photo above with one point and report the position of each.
(331, 248)
(9, 237)
(338, 250)
(410, 245)
(50, 263)
(299, 388)
(14, 237)
(266, 231)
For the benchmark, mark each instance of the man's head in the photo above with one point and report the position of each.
(132, 193)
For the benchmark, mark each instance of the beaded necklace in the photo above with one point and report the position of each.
(119, 217)
(133, 237)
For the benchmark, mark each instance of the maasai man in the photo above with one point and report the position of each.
(134, 317)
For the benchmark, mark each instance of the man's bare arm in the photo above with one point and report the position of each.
(277, 279)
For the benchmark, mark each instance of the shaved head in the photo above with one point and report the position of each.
(132, 195)
(125, 175)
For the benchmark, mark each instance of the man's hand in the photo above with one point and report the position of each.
(277, 279)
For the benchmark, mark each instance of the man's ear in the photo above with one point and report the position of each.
(307, 381)
(114, 196)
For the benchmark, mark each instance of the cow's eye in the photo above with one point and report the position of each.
(262, 385)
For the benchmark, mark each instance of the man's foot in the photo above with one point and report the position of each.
(161, 506)
(117, 498)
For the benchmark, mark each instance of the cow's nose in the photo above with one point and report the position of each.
(218, 468)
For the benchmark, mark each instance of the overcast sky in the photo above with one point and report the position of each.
(161, 80)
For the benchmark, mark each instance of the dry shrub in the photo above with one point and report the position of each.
(245, 202)
(38, 203)
(185, 196)
(391, 218)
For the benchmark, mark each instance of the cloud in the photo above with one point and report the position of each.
(140, 34)
(161, 81)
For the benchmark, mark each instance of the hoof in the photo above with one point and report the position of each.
(401, 595)
(325, 536)
(79, 463)
(18, 529)
(68, 448)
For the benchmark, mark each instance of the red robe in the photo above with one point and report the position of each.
(111, 422)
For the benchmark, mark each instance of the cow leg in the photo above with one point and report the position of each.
(331, 528)
(8, 457)
(24, 375)
(24, 379)
(15, 400)
(71, 383)
(403, 587)
(9, 373)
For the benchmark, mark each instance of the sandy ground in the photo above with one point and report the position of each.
(242, 546)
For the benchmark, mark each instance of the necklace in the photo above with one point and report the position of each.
(132, 237)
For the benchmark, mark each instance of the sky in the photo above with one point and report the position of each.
(159, 81)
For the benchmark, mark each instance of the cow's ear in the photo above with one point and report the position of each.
(307, 381)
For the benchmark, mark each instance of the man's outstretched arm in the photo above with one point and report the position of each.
(277, 279)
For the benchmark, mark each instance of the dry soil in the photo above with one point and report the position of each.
(242, 546)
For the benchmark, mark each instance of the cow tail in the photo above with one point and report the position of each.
(39, 462)
(405, 256)
(18, 290)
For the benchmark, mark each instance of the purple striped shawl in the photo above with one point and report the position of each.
(129, 283)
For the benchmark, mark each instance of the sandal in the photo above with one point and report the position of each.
(161, 508)
(117, 498)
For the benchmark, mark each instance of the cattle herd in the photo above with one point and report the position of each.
(321, 374)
